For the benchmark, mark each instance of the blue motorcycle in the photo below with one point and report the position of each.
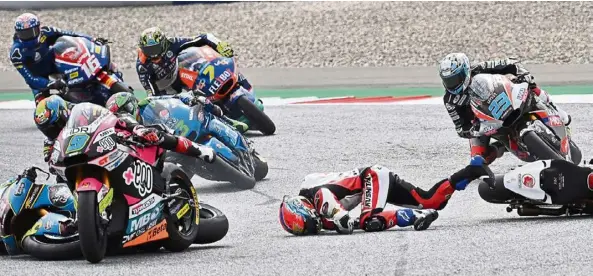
(36, 219)
(241, 165)
(87, 69)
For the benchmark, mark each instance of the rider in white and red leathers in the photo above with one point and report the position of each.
(330, 197)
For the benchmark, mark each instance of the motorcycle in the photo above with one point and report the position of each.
(528, 127)
(127, 195)
(36, 219)
(203, 69)
(524, 190)
(238, 162)
(88, 71)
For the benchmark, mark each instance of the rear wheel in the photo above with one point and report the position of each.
(66, 250)
(256, 117)
(538, 147)
(214, 225)
(261, 167)
(92, 234)
(497, 194)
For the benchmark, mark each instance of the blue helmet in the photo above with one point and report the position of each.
(454, 71)
(27, 28)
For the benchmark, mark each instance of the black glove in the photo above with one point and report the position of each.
(48, 146)
(58, 84)
(30, 174)
(528, 78)
(468, 132)
(101, 41)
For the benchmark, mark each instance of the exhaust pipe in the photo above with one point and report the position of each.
(537, 211)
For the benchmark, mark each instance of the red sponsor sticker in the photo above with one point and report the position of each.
(528, 181)
(590, 181)
(564, 145)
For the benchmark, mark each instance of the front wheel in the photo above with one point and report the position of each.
(36, 247)
(538, 147)
(182, 226)
(257, 117)
(213, 225)
(92, 234)
(261, 167)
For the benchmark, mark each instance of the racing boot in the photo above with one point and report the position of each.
(424, 218)
(238, 125)
(476, 168)
(190, 148)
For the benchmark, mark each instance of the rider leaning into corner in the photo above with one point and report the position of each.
(32, 56)
(457, 74)
(53, 112)
(325, 200)
(157, 59)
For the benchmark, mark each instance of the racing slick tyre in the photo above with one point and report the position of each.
(120, 87)
(44, 250)
(219, 170)
(538, 147)
(92, 235)
(182, 226)
(214, 225)
(575, 153)
(257, 117)
(261, 167)
(497, 195)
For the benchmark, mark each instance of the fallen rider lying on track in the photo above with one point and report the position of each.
(325, 200)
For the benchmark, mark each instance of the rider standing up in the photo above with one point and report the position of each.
(456, 74)
(32, 56)
(157, 58)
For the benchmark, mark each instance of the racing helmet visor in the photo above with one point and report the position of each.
(28, 34)
(153, 51)
(454, 82)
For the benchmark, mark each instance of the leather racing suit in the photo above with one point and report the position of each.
(334, 194)
(36, 65)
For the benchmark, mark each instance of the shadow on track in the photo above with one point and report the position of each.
(536, 219)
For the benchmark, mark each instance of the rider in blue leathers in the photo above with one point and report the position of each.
(32, 55)
(157, 59)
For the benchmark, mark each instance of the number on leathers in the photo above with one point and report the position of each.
(499, 105)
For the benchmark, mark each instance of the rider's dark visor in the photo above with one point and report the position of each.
(153, 51)
(28, 34)
(453, 82)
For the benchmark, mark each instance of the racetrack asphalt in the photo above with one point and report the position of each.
(471, 236)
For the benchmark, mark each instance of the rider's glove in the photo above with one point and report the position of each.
(468, 132)
(208, 105)
(528, 78)
(101, 41)
(224, 48)
(58, 84)
(48, 147)
(344, 224)
(148, 135)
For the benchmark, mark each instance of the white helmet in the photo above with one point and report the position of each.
(454, 71)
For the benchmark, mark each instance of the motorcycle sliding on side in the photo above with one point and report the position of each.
(127, 195)
(537, 188)
(238, 162)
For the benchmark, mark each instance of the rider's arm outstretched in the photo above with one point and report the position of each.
(222, 47)
(163, 139)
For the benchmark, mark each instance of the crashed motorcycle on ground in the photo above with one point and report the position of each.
(127, 195)
(538, 188)
(238, 161)
(88, 71)
(37, 219)
(201, 69)
(512, 114)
